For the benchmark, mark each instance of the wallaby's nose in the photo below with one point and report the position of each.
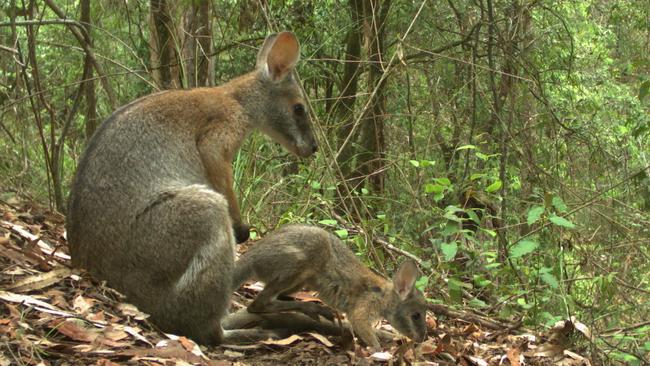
(314, 148)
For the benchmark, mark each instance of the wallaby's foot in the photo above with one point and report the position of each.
(242, 232)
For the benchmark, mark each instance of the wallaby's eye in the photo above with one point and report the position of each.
(415, 316)
(299, 109)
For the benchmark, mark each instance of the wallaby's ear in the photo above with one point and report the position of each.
(279, 54)
(404, 279)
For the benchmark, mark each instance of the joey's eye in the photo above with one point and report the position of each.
(415, 316)
(299, 109)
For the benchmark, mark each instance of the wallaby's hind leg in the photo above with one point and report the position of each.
(267, 302)
(193, 224)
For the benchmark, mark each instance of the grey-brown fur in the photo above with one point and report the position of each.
(302, 256)
(152, 208)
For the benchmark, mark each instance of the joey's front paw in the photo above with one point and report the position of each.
(242, 232)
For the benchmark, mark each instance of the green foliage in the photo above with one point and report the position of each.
(522, 248)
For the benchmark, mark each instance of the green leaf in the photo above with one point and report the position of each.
(438, 196)
(415, 163)
(559, 204)
(421, 283)
(450, 228)
(561, 221)
(482, 156)
(493, 265)
(534, 214)
(550, 280)
(490, 232)
(253, 235)
(364, 191)
(522, 248)
(315, 184)
(646, 346)
(473, 216)
(522, 302)
(455, 289)
(443, 181)
(449, 250)
(342, 233)
(328, 222)
(644, 89)
(476, 176)
(477, 303)
(466, 147)
(494, 186)
(435, 188)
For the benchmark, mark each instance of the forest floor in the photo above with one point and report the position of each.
(52, 314)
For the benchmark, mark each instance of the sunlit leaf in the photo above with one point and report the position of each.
(559, 204)
(415, 163)
(443, 181)
(482, 156)
(561, 221)
(534, 214)
(550, 280)
(522, 248)
(421, 283)
(466, 147)
(433, 188)
(342, 233)
(449, 250)
(328, 222)
(494, 186)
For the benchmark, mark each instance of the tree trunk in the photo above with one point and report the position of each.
(371, 158)
(343, 108)
(197, 47)
(89, 83)
(164, 64)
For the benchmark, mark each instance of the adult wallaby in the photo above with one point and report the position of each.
(302, 256)
(152, 208)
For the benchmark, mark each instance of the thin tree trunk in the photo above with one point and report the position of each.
(89, 83)
(197, 28)
(372, 157)
(343, 108)
(161, 43)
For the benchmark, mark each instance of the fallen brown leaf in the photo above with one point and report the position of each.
(74, 329)
(514, 355)
(81, 305)
(283, 342)
(322, 339)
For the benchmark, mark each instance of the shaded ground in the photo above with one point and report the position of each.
(54, 315)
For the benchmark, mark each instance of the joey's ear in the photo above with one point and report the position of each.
(404, 279)
(279, 54)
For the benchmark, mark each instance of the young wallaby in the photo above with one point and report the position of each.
(302, 256)
(152, 208)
